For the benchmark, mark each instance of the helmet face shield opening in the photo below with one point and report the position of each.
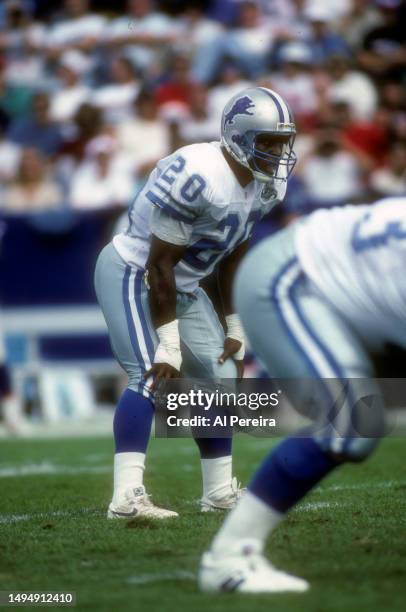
(271, 155)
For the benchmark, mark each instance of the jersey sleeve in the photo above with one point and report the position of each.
(170, 229)
(179, 190)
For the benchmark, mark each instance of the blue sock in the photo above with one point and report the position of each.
(132, 422)
(289, 472)
(5, 383)
(213, 447)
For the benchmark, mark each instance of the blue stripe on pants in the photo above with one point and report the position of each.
(331, 368)
(149, 343)
(132, 329)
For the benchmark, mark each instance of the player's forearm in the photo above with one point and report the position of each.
(162, 297)
(162, 294)
(226, 274)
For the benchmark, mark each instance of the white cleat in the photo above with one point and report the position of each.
(14, 419)
(226, 502)
(245, 570)
(137, 503)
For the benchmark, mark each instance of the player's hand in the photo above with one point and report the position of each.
(161, 371)
(231, 347)
(240, 368)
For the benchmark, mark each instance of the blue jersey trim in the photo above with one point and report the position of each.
(169, 210)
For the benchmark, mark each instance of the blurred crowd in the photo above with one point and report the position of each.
(92, 94)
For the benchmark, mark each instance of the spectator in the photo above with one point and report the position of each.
(72, 92)
(230, 82)
(393, 109)
(223, 11)
(87, 124)
(143, 33)
(15, 100)
(116, 98)
(393, 96)
(390, 179)
(198, 35)
(368, 140)
(361, 18)
(331, 175)
(199, 126)
(198, 31)
(337, 8)
(20, 41)
(9, 158)
(383, 52)
(102, 179)
(295, 82)
(351, 86)
(33, 189)
(323, 41)
(37, 129)
(289, 18)
(77, 29)
(144, 139)
(248, 44)
(175, 90)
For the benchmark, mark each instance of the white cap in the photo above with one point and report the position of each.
(101, 144)
(296, 52)
(317, 11)
(75, 61)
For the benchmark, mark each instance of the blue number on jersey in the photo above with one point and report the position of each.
(175, 168)
(194, 255)
(192, 188)
(366, 237)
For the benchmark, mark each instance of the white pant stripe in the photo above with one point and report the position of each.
(309, 346)
(296, 326)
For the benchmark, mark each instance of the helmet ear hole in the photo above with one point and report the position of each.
(240, 140)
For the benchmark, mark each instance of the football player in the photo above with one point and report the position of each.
(11, 408)
(327, 290)
(196, 211)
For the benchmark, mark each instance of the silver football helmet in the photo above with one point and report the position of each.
(251, 121)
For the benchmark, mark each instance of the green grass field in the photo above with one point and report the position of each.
(348, 538)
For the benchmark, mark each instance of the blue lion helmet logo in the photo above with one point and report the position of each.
(240, 107)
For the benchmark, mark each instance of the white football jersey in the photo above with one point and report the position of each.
(193, 198)
(356, 256)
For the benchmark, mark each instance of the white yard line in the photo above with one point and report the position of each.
(311, 506)
(7, 519)
(384, 484)
(45, 467)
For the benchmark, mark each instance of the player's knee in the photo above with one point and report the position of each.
(136, 381)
